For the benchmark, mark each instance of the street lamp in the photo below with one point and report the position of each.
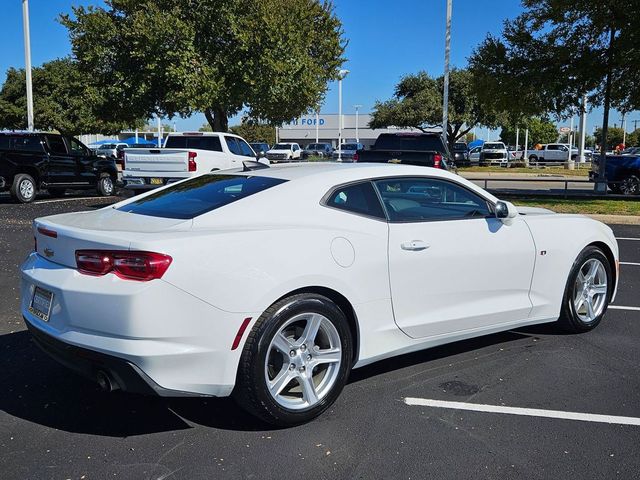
(27, 63)
(341, 75)
(447, 53)
(357, 106)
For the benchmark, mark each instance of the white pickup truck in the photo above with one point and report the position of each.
(556, 152)
(184, 155)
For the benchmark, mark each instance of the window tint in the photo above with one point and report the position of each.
(27, 143)
(232, 143)
(4, 142)
(56, 145)
(420, 199)
(553, 147)
(409, 142)
(77, 147)
(245, 148)
(205, 142)
(199, 195)
(359, 198)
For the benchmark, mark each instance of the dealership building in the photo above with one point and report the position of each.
(323, 128)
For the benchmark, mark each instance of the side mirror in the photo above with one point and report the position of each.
(506, 211)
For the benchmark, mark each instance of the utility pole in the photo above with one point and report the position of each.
(317, 125)
(447, 54)
(27, 63)
(357, 106)
(624, 130)
(517, 137)
(583, 129)
(341, 75)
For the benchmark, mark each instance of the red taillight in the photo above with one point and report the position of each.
(437, 161)
(355, 157)
(141, 266)
(47, 233)
(192, 161)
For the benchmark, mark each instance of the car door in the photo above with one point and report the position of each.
(453, 266)
(84, 162)
(62, 164)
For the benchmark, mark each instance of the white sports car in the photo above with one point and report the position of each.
(271, 284)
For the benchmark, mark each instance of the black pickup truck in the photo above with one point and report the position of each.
(423, 149)
(33, 161)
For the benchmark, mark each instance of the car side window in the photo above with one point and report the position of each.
(28, 143)
(245, 148)
(429, 199)
(360, 198)
(232, 143)
(56, 145)
(76, 147)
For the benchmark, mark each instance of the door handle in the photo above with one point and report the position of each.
(414, 245)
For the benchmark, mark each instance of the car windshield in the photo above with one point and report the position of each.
(282, 146)
(460, 147)
(350, 146)
(494, 146)
(199, 195)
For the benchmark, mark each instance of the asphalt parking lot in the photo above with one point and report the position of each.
(56, 425)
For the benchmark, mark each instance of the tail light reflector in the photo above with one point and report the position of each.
(47, 233)
(437, 160)
(192, 161)
(140, 266)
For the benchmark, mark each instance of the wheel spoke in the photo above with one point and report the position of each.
(599, 289)
(593, 269)
(282, 379)
(581, 278)
(590, 313)
(283, 344)
(311, 330)
(308, 389)
(332, 355)
(579, 302)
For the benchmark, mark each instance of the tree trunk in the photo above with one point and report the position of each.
(217, 119)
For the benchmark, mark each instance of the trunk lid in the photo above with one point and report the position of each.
(156, 161)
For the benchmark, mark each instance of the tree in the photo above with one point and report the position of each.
(541, 130)
(615, 136)
(417, 103)
(633, 138)
(176, 57)
(64, 100)
(255, 132)
(556, 52)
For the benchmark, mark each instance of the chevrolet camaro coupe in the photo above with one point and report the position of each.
(271, 283)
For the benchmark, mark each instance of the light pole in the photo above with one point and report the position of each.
(357, 106)
(27, 63)
(447, 53)
(317, 125)
(341, 75)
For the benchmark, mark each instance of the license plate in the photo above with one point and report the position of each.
(155, 181)
(41, 303)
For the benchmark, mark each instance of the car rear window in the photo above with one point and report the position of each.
(494, 146)
(199, 195)
(206, 142)
(409, 142)
(26, 143)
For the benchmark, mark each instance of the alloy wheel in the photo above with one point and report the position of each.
(26, 189)
(303, 361)
(590, 290)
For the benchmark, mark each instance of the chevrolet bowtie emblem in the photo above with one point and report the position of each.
(48, 252)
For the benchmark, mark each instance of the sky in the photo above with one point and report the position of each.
(386, 41)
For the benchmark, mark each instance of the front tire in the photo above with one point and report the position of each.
(105, 185)
(296, 360)
(630, 185)
(24, 188)
(588, 291)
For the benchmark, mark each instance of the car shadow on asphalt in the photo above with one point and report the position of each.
(35, 388)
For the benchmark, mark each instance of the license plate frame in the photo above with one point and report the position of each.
(44, 299)
(156, 181)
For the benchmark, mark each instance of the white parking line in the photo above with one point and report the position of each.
(630, 263)
(530, 412)
(620, 307)
(40, 202)
(627, 238)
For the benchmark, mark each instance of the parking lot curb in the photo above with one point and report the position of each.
(617, 219)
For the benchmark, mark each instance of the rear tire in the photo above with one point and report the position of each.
(105, 185)
(630, 185)
(587, 293)
(23, 189)
(296, 360)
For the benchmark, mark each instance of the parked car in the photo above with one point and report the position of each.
(347, 152)
(261, 148)
(556, 152)
(167, 294)
(185, 155)
(423, 149)
(460, 153)
(494, 152)
(474, 155)
(111, 150)
(322, 150)
(284, 152)
(33, 161)
(623, 173)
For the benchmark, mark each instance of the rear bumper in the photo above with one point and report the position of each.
(151, 336)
